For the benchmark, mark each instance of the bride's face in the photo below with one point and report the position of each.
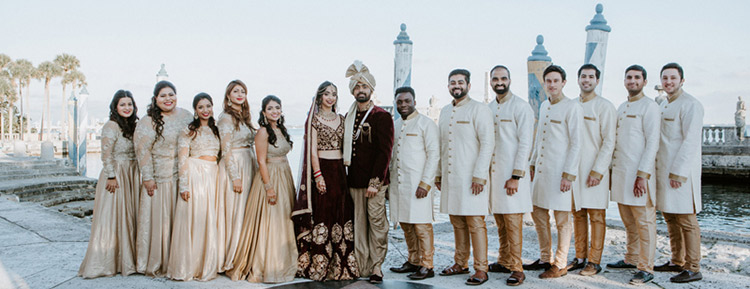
(329, 98)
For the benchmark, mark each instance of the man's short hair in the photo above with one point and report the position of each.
(675, 66)
(554, 68)
(636, 67)
(461, 71)
(405, 89)
(500, 66)
(590, 66)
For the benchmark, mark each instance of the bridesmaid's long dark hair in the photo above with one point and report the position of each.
(280, 123)
(242, 116)
(127, 125)
(154, 111)
(196, 123)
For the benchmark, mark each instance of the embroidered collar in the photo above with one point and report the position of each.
(635, 98)
(505, 98)
(460, 103)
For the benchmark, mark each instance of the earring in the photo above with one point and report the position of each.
(195, 116)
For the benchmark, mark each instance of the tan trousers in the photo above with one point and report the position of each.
(419, 242)
(640, 227)
(370, 230)
(581, 231)
(564, 232)
(510, 234)
(685, 240)
(470, 231)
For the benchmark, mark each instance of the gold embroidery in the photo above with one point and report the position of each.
(669, 119)
(589, 118)
(506, 120)
(412, 134)
(336, 233)
(320, 234)
(329, 138)
(555, 121)
(631, 115)
(463, 121)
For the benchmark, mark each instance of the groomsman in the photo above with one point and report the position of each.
(368, 140)
(416, 152)
(510, 189)
(633, 184)
(592, 197)
(466, 144)
(678, 174)
(554, 170)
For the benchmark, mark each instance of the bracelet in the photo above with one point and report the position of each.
(267, 186)
(515, 177)
(318, 179)
(317, 174)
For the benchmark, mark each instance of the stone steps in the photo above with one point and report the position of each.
(35, 174)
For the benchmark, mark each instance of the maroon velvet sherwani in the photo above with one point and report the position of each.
(371, 154)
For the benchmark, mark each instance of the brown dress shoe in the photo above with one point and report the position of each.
(421, 274)
(553, 272)
(668, 267)
(575, 265)
(405, 268)
(591, 269)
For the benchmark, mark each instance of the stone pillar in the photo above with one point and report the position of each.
(402, 59)
(597, 34)
(536, 64)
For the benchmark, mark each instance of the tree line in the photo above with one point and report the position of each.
(15, 79)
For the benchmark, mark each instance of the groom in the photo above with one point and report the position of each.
(368, 140)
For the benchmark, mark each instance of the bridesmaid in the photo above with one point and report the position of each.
(194, 237)
(155, 141)
(267, 251)
(236, 169)
(112, 242)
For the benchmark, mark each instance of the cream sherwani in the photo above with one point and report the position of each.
(637, 134)
(466, 144)
(679, 159)
(514, 128)
(416, 152)
(556, 153)
(679, 156)
(597, 144)
(635, 152)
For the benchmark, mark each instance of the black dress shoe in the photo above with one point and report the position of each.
(686, 276)
(621, 265)
(575, 265)
(668, 267)
(421, 274)
(537, 265)
(497, 268)
(376, 279)
(405, 268)
(641, 277)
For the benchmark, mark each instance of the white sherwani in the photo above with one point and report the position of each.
(597, 144)
(556, 155)
(416, 151)
(514, 129)
(638, 125)
(679, 156)
(466, 144)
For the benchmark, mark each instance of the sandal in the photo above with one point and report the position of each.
(474, 281)
(515, 279)
(454, 270)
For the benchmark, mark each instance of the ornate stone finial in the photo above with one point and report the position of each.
(402, 37)
(162, 71)
(539, 53)
(598, 22)
(84, 91)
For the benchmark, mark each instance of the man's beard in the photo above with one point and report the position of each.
(497, 90)
(635, 91)
(461, 94)
(365, 97)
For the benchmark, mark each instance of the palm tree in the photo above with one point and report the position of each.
(68, 63)
(5, 60)
(46, 71)
(7, 98)
(22, 70)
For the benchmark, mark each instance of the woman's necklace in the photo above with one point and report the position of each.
(328, 115)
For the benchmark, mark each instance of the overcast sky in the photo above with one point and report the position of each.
(287, 48)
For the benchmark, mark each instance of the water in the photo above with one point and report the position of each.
(726, 207)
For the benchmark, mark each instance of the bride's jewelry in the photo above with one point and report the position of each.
(328, 115)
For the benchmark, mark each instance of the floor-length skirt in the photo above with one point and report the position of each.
(194, 249)
(231, 206)
(327, 252)
(267, 250)
(113, 227)
(155, 228)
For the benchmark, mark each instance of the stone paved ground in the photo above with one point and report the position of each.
(42, 248)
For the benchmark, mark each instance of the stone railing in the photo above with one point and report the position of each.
(720, 135)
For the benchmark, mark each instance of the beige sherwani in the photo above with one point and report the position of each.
(679, 159)
(514, 128)
(637, 137)
(414, 162)
(466, 144)
(556, 156)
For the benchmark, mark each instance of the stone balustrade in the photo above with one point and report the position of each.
(721, 135)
